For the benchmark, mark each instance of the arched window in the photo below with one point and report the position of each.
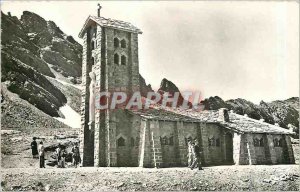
(123, 60)
(256, 142)
(123, 43)
(121, 142)
(92, 45)
(276, 142)
(171, 140)
(92, 61)
(211, 141)
(218, 142)
(116, 59)
(116, 42)
(132, 142)
(164, 141)
(261, 142)
(281, 141)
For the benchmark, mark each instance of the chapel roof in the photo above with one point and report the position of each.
(110, 23)
(236, 123)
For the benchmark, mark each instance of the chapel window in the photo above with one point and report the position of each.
(164, 140)
(121, 142)
(116, 42)
(276, 142)
(116, 59)
(218, 142)
(92, 45)
(261, 142)
(256, 142)
(123, 60)
(123, 43)
(171, 140)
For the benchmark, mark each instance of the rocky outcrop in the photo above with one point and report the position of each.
(144, 88)
(171, 88)
(31, 85)
(33, 48)
(19, 113)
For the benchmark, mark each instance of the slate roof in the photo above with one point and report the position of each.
(110, 23)
(237, 123)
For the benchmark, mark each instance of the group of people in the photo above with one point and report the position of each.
(61, 155)
(38, 151)
(194, 155)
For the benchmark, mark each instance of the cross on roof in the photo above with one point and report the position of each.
(99, 8)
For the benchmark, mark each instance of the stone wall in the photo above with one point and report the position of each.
(86, 134)
(265, 151)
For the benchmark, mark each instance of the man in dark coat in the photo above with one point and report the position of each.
(196, 156)
(34, 148)
(76, 155)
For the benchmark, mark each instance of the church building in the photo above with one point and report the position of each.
(157, 137)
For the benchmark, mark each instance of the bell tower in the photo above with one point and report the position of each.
(110, 63)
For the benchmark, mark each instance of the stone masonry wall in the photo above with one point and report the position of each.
(87, 135)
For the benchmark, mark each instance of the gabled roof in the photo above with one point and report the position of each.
(237, 123)
(110, 23)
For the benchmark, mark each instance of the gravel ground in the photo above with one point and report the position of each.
(276, 177)
(20, 173)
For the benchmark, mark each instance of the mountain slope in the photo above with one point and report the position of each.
(33, 50)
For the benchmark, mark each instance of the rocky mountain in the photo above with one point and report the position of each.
(144, 87)
(283, 112)
(34, 51)
(171, 88)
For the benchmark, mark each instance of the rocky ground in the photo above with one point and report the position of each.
(20, 171)
(277, 177)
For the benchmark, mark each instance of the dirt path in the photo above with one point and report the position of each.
(276, 177)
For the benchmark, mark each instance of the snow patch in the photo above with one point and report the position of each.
(72, 118)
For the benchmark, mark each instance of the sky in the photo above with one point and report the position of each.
(232, 49)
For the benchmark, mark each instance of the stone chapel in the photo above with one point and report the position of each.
(158, 137)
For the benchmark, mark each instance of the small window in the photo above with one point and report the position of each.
(256, 142)
(281, 141)
(218, 142)
(92, 45)
(164, 140)
(123, 60)
(211, 141)
(261, 142)
(92, 61)
(171, 140)
(116, 42)
(116, 59)
(121, 142)
(123, 43)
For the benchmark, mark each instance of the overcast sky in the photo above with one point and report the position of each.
(231, 49)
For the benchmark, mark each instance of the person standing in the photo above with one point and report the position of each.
(34, 148)
(58, 156)
(190, 153)
(76, 155)
(196, 156)
(41, 150)
(63, 155)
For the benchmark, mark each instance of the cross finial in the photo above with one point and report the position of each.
(99, 8)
